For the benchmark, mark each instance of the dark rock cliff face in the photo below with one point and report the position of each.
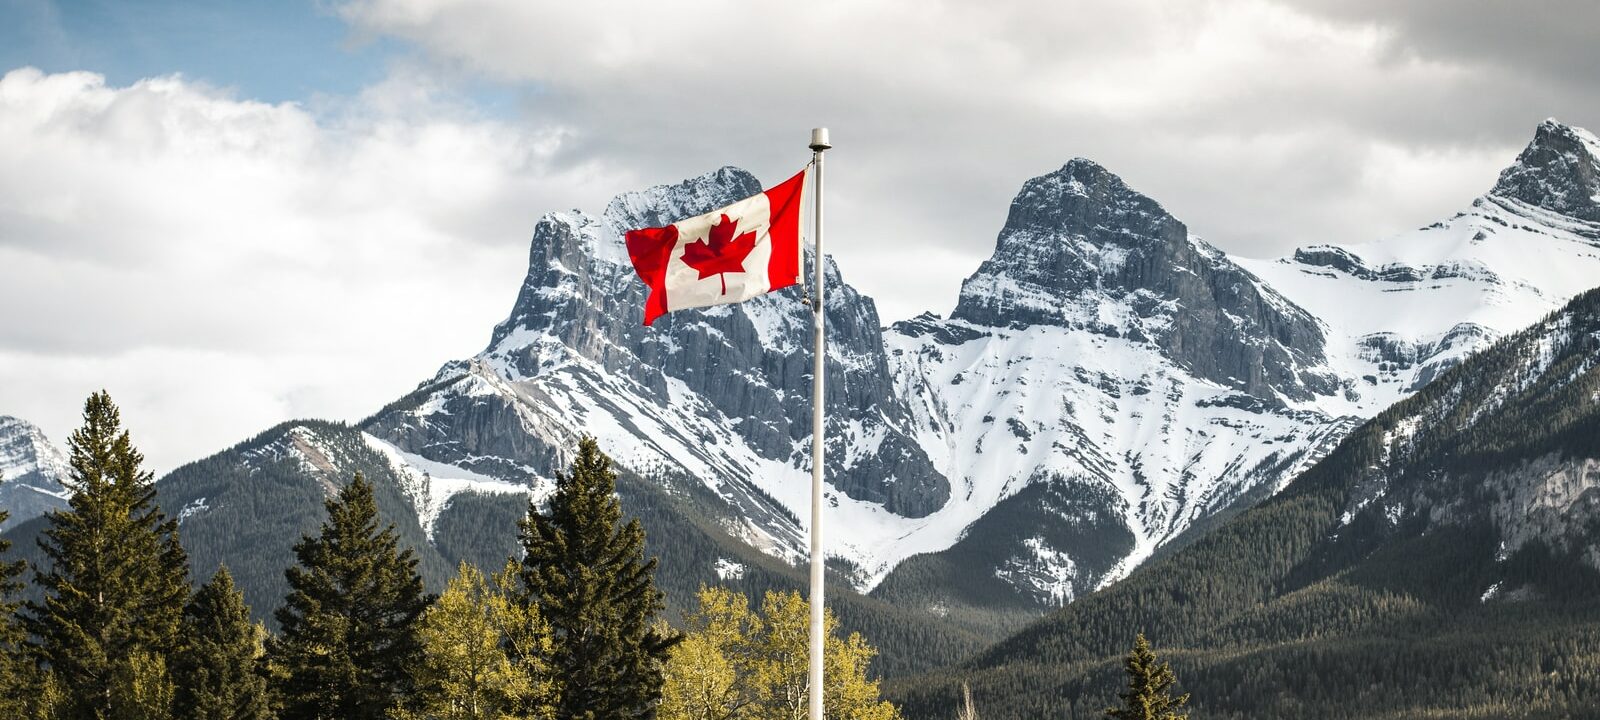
(577, 320)
(1559, 171)
(1079, 246)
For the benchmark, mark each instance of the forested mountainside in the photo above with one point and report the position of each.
(1440, 562)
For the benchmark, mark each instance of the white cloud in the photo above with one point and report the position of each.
(1264, 125)
(221, 265)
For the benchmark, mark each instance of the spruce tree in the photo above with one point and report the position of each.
(349, 624)
(587, 574)
(13, 668)
(116, 581)
(1150, 681)
(216, 670)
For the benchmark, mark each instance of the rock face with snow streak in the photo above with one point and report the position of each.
(1136, 375)
(31, 471)
(1559, 172)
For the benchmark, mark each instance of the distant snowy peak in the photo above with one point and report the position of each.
(1401, 310)
(1559, 171)
(31, 471)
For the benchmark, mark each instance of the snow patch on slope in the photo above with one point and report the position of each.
(430, 485)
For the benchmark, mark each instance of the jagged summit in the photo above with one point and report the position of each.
(1082, 249)
(1559, 171)
(1084, 193)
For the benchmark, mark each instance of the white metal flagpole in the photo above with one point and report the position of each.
(819, 143)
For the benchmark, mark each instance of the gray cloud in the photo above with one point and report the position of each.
(286, 260)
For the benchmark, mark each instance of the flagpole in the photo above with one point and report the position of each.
(819, 143)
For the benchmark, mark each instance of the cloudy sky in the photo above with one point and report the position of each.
(231, 214)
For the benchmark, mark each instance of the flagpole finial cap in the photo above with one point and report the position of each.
(819, 139)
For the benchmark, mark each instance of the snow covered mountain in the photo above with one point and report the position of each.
(31, 471)
(1106, 381)
(1130, 377)
(1104, 347)
(1404, 308)
(719, 397)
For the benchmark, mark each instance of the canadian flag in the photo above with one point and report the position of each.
(724, 256)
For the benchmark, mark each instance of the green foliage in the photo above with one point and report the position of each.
(116, 581)
(141, 688)
(217, 669)
(483, 653)
(1150, 681)
(257, 499)
(14, 671)
(586, 574)
(349, 622)
(987, 605)
(735, 664)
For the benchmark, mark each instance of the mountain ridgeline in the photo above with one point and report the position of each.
(1109, 387)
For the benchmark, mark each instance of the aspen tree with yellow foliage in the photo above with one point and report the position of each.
(738, 664)
(483, 654)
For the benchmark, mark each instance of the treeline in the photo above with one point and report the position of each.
(573, 628)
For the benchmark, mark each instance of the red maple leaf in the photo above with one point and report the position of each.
(724, 254)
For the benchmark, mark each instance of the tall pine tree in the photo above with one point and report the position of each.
(13, 668)
(216, 671)
(349, 623)
(116, 581)
(587, 574)
(1150, 681)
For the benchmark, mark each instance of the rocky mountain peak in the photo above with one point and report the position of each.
(1086, 195)
(31, 471)
(1081, 249)
(1559, 171)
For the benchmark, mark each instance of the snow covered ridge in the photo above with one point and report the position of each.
(31, 471)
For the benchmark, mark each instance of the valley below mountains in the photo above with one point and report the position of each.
(1114, 405)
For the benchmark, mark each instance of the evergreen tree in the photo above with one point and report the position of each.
(586, 573)
(469, 638)
(349, 623)
(216, 670)
(13, 669)
(116, 581)
(1150, 681)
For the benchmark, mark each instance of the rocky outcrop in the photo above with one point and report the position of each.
(1559, 171)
